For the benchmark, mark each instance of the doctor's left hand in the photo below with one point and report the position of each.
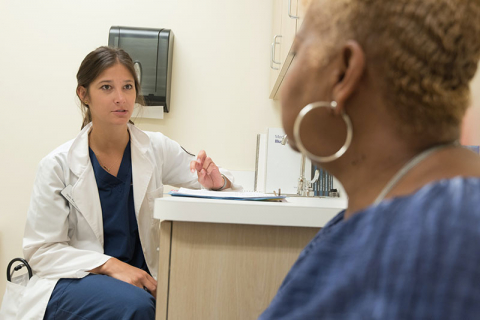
(208, 173)
(127, 273)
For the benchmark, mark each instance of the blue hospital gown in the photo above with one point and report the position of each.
(411, 257)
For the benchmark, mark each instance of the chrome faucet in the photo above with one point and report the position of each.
(305, 186)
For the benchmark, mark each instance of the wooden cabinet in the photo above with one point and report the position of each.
(276, 45)
(223, 271)
(223, 259)
(287, 19)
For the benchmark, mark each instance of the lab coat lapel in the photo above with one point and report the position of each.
(142, 166)
(85, 195)
(85, 190)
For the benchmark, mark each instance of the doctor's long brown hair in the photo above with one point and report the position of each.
(94, 64)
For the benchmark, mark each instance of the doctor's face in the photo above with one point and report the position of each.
(111, 96)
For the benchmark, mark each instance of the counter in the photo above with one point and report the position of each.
(296, 212)
(225, 259)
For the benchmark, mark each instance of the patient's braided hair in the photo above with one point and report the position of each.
(425, 53)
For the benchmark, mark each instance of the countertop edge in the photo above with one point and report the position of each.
(245, 212)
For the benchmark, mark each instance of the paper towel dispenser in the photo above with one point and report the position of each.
(151, 51)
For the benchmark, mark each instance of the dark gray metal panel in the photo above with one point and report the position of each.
(164, 76)
(152, 49)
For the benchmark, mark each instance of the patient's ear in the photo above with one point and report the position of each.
(352, 67)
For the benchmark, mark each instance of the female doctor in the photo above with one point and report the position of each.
(90, 237)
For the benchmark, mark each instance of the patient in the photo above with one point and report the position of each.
(376, 95)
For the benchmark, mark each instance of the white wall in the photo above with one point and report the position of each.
(219, 91)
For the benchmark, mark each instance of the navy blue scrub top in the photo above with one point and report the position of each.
(120, 229)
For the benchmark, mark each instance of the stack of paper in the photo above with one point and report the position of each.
(252, 196)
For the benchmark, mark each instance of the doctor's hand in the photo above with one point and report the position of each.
(208, 173)
(127, 273)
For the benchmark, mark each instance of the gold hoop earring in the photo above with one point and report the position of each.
(298, 140)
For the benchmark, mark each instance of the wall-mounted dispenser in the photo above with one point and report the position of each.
(151, 51)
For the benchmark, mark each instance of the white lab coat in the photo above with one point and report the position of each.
(65, 240)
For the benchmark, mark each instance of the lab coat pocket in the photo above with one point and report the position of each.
(13, 296)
